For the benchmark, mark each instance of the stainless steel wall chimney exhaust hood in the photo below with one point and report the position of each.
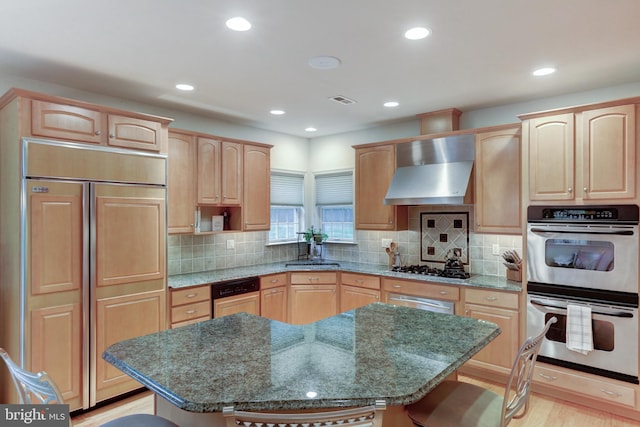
(432, 171)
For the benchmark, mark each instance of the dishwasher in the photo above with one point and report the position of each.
(421, 303)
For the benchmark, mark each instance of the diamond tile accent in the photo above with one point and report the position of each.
(441, 232)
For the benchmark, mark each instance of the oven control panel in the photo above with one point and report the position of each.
(611, 213)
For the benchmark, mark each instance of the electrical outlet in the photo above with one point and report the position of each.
(386, 243)
(231, 244)
(495, 249)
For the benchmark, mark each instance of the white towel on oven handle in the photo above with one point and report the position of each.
(579, 333)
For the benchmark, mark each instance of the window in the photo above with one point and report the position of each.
(334, 202)
(287, 213)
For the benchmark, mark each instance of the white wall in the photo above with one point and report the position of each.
(289, 152)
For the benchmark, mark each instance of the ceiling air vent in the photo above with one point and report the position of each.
(342, 100)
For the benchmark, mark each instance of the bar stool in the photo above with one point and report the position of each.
(39, 388)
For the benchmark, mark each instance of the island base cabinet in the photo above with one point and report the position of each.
(393, 416)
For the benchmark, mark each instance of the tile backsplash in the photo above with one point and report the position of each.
(192, 253)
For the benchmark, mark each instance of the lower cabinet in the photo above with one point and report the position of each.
(190, 305)
(313, 296)
(247, 303)
(500, 308)
(357, 290)
(273, 297)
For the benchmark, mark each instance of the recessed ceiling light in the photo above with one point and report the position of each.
(238, 24)
(184, 86)
(277, 112)
(417, 33)
(544, 71)
(324, 62)
(391, 104)
(311, 129)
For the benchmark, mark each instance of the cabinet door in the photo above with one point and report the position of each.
(139, 134)
(502, 351)
(56, 347)
(256, 207)
(181, 198)
(273, 303)
(208, 181)
(245, 303)
(66, 122)
(497, 182)
(232, 173)
(130, 235)
(117, 319)
(353, 297)
(310, 303)
(552, 158)
(374, 170)
(609, 153)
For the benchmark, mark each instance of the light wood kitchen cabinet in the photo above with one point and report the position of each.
(244, 303)
(273, 297)
(256, 205)
(375, 166)
(190, 305)
(88, 125)
(312, 296)
(498, 199)
(580, 387)
(122, 318)
(357, 290)
(501, 308)
(586, 154)
(181, 188)
(219, 166)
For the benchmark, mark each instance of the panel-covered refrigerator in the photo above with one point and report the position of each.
(93, 262)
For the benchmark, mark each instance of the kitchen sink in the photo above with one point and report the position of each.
(311, 263)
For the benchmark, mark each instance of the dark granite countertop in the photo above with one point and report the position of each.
(213, 276)
(379, 351)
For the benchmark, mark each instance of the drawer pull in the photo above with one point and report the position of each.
(611, 393)
(359, 281)
(192, 295)
(274, 280)
(548, 377)
(444, 292)
(397, 286)
(191, 311)
(491, 298)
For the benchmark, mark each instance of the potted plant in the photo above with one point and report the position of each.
(317, 236)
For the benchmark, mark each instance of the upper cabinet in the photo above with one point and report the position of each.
(256, 207)
(210, 176)
(219, 172)
(498, 181)
(58, 118)
(582, 155)
(181, 199)
(375, 166)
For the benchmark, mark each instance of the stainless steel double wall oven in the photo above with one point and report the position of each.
(585, 255)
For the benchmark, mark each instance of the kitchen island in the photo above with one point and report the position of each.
(377, 352)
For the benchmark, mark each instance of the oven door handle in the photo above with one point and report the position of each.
(600, 310)
(609, 232)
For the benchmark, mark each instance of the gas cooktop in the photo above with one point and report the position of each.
(425, 270)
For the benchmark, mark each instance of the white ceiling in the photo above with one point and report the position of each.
(481, 54)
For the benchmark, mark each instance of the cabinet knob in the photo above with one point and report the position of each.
(111, 135)
(570, 190)
(98, 132)
(585, 189)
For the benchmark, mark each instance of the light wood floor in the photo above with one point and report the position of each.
(543, 411)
